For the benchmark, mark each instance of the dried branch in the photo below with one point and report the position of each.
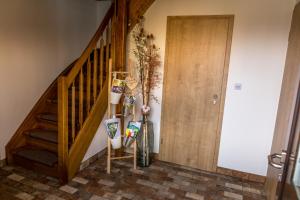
(148, 61)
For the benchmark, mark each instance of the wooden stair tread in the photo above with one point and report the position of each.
(48, 117)
(55, 102)
(38, 155)
(47, 135)
(52, 101)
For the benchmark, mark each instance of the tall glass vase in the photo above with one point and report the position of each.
(145, 143)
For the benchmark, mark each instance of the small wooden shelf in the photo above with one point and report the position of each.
(121, 157)
(110, 114)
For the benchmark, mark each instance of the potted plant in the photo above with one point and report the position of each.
(113, 132)
(116, 90)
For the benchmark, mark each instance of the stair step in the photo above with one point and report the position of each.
(52, 119)
(37, 155)
(42, 124)
(48, 117)
(53, 101)
(46, 135)
(51, 107)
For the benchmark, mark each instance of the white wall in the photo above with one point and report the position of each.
(99, 141)
(38, 39)
(258, 53)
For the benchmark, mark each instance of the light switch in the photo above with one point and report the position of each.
(237, 86)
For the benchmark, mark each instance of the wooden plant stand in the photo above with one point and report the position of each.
(112, 114)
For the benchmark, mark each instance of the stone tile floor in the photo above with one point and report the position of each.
(160, 181)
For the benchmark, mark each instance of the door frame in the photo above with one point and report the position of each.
(224, 80)
(293, 135)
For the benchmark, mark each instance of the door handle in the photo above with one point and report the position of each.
(273, 163)
(281, 157)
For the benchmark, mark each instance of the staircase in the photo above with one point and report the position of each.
(56, 134)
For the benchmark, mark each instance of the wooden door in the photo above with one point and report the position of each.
(286, 105)
(196, 65)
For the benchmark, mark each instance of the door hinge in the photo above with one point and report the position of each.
(161, 141)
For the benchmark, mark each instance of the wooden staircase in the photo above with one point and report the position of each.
(56, 134)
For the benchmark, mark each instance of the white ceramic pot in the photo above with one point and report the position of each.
(116, 142)
(115, 97)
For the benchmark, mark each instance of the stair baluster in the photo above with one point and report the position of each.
(101, 58)
(81, 79)
(95, 75)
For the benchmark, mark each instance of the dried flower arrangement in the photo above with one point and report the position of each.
(148, 62)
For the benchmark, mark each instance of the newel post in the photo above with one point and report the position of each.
(120, 35)
(62, 128)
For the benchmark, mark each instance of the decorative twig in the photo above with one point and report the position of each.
(148, 61)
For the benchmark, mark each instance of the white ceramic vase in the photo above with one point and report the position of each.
(115, 97)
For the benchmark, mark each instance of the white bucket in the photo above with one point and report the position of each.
(115, 97)
(116, 143)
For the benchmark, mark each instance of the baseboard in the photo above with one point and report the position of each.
(156, 156)
(242, 175)
(92, 159)
(234, 173)
(3, 163)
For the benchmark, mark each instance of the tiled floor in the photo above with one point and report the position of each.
(160, 181)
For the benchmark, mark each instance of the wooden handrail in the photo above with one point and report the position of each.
(92, 44)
